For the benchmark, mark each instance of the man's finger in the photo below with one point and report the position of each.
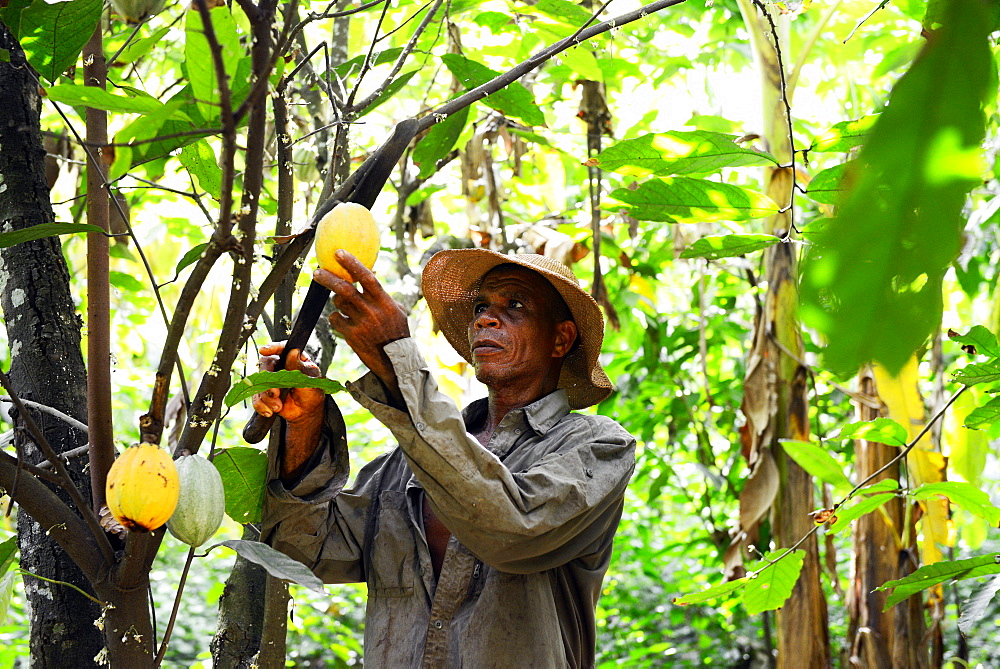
(358, 271)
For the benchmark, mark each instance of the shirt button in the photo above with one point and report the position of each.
(517, 431)
(590, 473)
(420, 426)
(438, 624)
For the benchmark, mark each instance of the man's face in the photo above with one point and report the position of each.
(514, 333)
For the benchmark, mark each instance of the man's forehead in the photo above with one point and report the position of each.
(512, 275)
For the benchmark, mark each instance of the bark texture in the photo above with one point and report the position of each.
(241, 613)
(43, 330)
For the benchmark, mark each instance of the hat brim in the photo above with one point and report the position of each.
(451, 280)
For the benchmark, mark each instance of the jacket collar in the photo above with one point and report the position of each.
(540, 415)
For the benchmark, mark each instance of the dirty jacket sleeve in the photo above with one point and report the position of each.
(315, 520)
(558, 509)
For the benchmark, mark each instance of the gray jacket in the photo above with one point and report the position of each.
(532, 517)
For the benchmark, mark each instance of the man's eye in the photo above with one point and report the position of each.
(516, 304)
(478, 308)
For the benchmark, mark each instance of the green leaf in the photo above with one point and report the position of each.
(7, 550)
(244, 475)
(683, 199)
(563, 11)
(962, 494)
(91, 96)
(199, 62)
(984, 416)
(855, 511)
(389, 91)
(514, 101)
(845, 135)
(873, 284)
(10, 15)
(125, 281)
(438, 142)
(678, 152)
(715, 592)
(981, 339)
(975, 373)
(44, 230)
(817, 461)
(286, 378)
(976, 606)
(728, 246)
(141, 47)
(825, 187)
(191, 257)
(275, 562)
(6, 592)
(143, 128)
(881, 430)
(54, 35)
(353, 66)
(200, 160)
(884, 485)
(939, 572)
(773, 583)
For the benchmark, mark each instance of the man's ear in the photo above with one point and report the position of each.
(565, 338)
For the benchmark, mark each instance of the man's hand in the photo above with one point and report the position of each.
(302, 408)
(368, 319)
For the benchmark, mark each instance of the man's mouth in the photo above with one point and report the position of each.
(485, 347)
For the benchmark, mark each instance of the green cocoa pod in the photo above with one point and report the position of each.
(202, 502)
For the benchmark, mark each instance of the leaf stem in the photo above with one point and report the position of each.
(173, 613)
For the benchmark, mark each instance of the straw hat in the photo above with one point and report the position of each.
(451, 280)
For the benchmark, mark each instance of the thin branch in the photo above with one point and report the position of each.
(173, 612)
(519, 70)
(128, 41)
(69, 585)
(65, 456)
(367, 65)
(331, 15)
(67, 483)
(44, 408)
(865, 18)
(405, 22)
(397, 66)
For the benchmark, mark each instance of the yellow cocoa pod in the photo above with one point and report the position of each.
(347, 226)
(143, 487)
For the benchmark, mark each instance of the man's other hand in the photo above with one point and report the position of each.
(368, 318)
(300, 404)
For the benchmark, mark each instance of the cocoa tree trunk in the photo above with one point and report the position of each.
(43, 329)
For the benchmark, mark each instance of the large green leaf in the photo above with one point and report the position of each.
(825, 187)
(44, 230)
(817, 461)
(286, 378)
(975, 607)
(439, 141)
(53, 35)
(727, 246)
(715, 592)
(91, 96)
(687, 200)
(860, 508)
(872, 283)
(982, 341)
(984, 416)
(844, 136)
(199, 62)
(275, 562)
(514, 101)
(881, 430)
(773, 583)
(939, 572)
(977, 373)
(200, 160)
(964, 495)
(691, 152)
(244, 474)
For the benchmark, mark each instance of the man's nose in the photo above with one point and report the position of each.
(486, 318)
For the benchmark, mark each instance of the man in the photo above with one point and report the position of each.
(485, 536)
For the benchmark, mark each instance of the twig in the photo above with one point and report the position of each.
(790, 207)
(52, 411)
(865, 18)
(397, 66)
(368, 60)
(69, 585)
(128, 41)
(67, 483)
(331, 15)
(173, 613)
